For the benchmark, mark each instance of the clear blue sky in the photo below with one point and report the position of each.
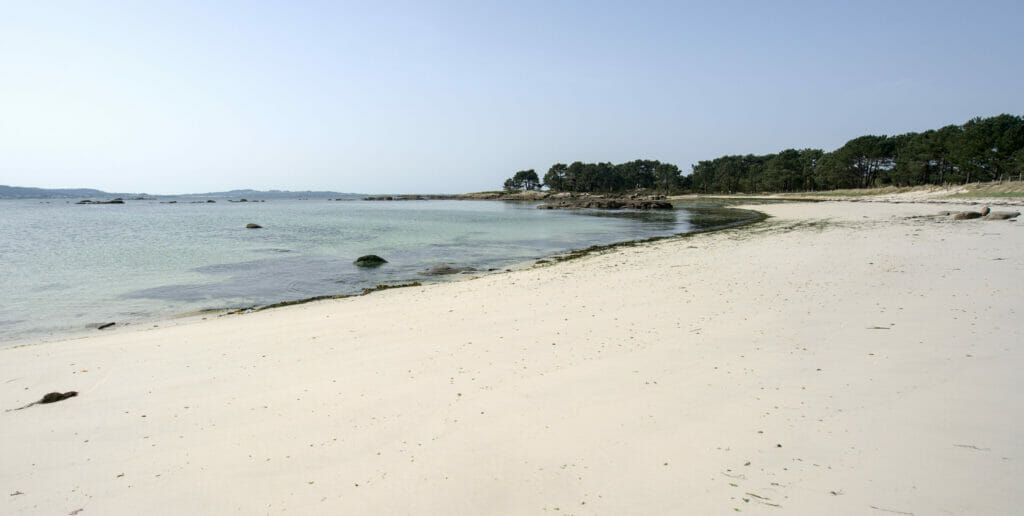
(190, 96)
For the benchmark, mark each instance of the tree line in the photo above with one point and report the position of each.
(983, 149)
(602, 177)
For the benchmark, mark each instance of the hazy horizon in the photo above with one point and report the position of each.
(172, 98)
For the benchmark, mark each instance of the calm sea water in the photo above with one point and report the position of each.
(64, 267)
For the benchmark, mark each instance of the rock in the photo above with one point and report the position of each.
(442, 270)
(253, 226)
(985, 211)
(965, 215)
(1002, 215)
(370, 260)
(112, 201)
(608, 204)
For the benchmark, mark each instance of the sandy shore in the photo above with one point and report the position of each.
(839, 358)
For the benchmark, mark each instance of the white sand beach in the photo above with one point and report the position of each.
(838, 358)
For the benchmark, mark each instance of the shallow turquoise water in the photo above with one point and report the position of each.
(66, 266)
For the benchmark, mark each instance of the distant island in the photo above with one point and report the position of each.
(20, 192)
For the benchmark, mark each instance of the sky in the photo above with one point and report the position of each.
(446, 97)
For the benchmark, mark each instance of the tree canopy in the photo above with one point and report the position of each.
(607, 178)
(982, 149)
(523, 180)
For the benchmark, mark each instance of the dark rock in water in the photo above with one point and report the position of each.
(608, 204)
(370, 260)
(210, 200)
(253, 226)
(442, 270)
(1002, 215)
(105, 325)
(112, 201)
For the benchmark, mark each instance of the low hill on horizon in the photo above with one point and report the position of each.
(22, 192)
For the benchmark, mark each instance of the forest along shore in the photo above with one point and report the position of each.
(840, 357)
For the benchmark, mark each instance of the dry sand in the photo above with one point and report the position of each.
(839, 358)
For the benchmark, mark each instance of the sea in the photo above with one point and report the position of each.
(66, 268)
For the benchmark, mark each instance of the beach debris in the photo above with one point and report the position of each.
(894, 511)
(76, 511)
(369, 260)
(972, 447)
(52, 397)
(253, 226)
(105, 325)
(16, 493)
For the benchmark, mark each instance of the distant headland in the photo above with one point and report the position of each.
(21, 192)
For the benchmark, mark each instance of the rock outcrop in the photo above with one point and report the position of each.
(608, 204)
(112, 201)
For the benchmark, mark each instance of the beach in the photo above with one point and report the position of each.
(838, 357)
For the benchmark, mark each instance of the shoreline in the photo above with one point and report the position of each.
(157, 320)
(840, 357)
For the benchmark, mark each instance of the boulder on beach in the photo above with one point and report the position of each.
(253, 226)
(1002, 215)
(966, 215)
(370, 260)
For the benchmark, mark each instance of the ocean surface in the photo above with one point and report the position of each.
(64, 268)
